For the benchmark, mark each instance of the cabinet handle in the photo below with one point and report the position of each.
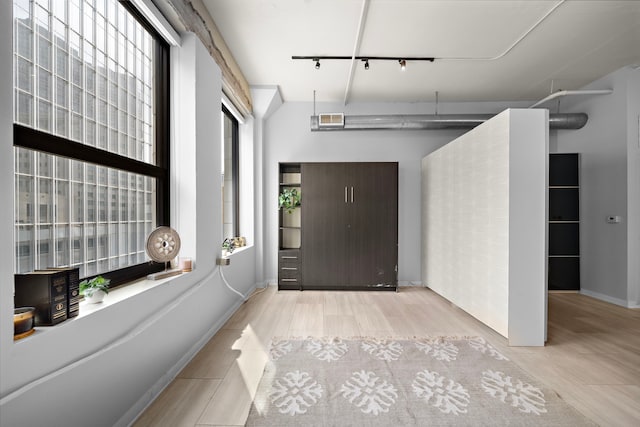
(289, 257)
(289, 280)
(345, 194)
(351, 194)
(288, 268)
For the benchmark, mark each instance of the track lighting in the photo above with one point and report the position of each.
(401, 60)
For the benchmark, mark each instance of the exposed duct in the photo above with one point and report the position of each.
(435, 121)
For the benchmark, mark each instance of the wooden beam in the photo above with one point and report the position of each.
(194, 17)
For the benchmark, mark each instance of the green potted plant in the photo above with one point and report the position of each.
(289, 199)
(228, 245)
(94, 289)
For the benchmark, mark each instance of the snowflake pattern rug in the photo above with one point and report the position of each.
(386, 382)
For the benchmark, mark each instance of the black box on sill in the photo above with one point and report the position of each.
(47, 292)
(73, 289)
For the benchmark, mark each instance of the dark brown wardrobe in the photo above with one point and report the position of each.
(349, 227)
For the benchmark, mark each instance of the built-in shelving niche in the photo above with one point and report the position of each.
(564, 222)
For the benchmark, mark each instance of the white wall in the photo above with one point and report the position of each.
(266, 100)
(288, 138)
(7, 252)
(610, 185)
(89, 371)
(633, 189)
(528, 224)
(484, 223)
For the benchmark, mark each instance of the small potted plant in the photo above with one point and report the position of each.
(94, 289)
(228, 245)
(289, 199)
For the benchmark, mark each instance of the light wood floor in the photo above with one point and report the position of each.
(592, 358)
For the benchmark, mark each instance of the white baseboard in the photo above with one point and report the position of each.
(402, 283)
(265, 283)
(609, 299)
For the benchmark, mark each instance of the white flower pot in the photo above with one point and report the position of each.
(95, 297)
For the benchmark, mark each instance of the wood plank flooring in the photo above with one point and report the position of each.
(592, 358)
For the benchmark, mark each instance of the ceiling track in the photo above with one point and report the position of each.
(434, 121)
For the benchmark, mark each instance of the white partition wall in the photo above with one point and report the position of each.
(484, 213)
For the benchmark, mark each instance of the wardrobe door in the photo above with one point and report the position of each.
(324, 225)
(372, 224)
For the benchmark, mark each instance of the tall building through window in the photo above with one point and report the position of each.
(90, 136)
(230, 175)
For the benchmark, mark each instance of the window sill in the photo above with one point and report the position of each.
(121, 293)
(235, 251)
(113, 297)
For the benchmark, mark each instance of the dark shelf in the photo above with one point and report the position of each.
(295, 184)
(564, 169)
(564, 222)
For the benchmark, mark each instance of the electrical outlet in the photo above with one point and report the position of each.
(614, 219)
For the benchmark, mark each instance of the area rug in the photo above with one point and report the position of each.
(434, 381)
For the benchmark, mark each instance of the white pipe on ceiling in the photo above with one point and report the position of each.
(572, 92)
(513, 45)
(356, 48)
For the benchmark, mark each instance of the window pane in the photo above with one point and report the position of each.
(44, 115)
(45, 211)
(24, 109)
(62, 202)
(77, 202)
(24, 161)
(45, 246)
(90, 234)
(83, 71)
(24, 38)
(80, 53)
(62, 168)
(84, 222)
(77, 244)
(103, 241)
(25, 194)
(24, 75)
(44, 84)
(24, 249)
(229, 175)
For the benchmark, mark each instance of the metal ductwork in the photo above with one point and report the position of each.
(438, 121)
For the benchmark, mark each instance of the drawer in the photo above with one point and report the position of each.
(289, 265)
(289, 256)
(289, 273)
(288, 283)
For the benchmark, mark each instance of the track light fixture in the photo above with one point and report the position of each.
(401, 60)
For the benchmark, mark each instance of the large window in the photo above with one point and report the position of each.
(90, 136)
(230, 176)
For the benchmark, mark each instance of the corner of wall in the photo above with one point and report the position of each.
(6, 184)
(528, 181)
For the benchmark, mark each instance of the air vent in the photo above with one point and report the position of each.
(331, 120)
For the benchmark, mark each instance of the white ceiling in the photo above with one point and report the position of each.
(484, 50)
